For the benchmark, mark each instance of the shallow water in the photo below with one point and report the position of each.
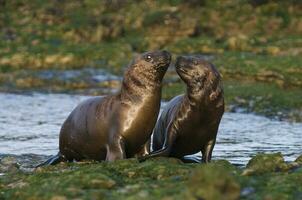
(30, 124)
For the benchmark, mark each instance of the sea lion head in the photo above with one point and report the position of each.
(151, 65)
(199, 75)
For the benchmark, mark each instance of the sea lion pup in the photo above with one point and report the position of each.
(116, 126)
(189, 123)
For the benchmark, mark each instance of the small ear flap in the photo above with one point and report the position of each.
(214, 95)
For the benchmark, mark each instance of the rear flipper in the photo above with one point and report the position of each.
(170, 137)
(145, 150)
(53, 160)
(160, 153)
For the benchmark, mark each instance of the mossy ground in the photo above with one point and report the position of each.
(266, 176)
(256, 45)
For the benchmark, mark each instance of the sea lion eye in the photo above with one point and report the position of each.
(148, 58)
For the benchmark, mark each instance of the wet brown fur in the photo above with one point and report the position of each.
(189, 122)
(117, 126)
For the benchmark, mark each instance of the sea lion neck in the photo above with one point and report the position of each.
(138, 86)
(195, 96)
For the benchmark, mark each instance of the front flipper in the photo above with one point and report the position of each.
(116, 150)
(207, 151)
(53, 160)
(145, 150)
(167, 147)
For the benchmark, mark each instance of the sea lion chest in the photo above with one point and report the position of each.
(191, 127)
(137, 120)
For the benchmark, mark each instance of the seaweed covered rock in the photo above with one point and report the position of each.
(159, 178)
(226, 165)
(265, 163)
(9, 164)
(213, 181)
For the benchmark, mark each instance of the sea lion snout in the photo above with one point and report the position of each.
(191, 69)
(189, 63)
(181, 62)
(197, 73)
(166, 56)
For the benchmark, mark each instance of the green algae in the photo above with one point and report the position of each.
(280, 185)
(212, 181)
(160, 178)
(264, 163)
(126, 178)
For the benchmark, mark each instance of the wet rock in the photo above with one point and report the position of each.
(264, 163)
(9, 164)
(212, 181)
